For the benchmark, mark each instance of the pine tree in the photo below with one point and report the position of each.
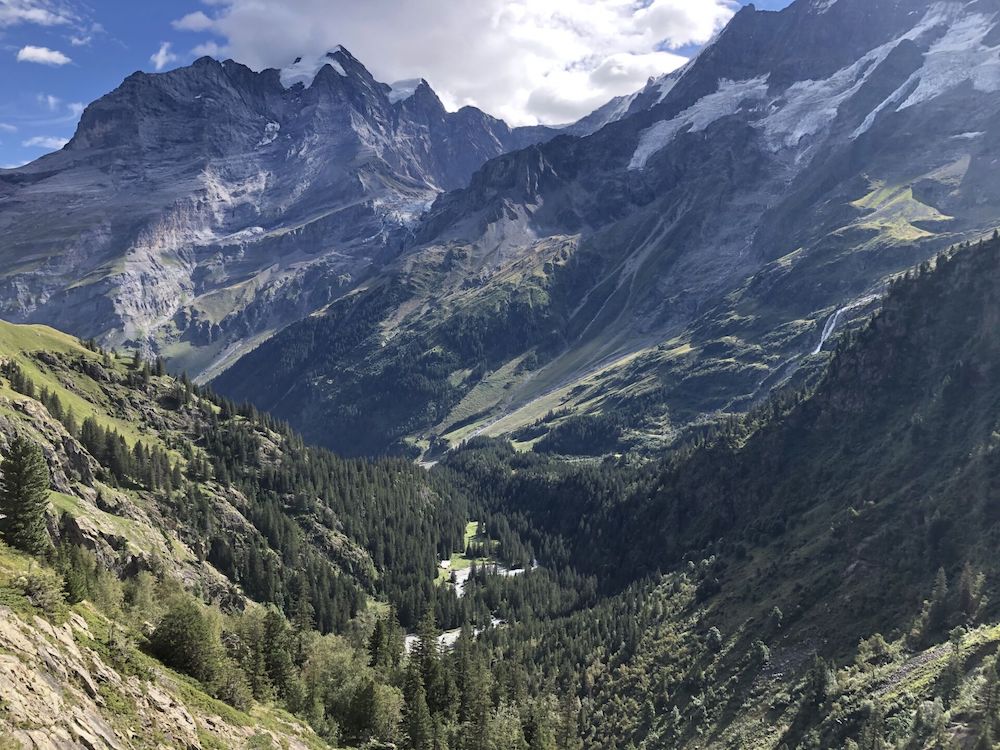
(873, 729)
(568, 727)
(937, 613)
(506, 732)
(475, 704)
(950, 680)
(24, 497)
(539, 730)
(437, 679)
(417, 721)
(277, 647)
(186, 640)
(989, 696)
(378, 658)
(818, 682)
(970, 594)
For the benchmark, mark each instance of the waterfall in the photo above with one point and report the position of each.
(829, 328)
(834, 320)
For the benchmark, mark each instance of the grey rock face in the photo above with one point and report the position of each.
(196, 210)
(717, 219)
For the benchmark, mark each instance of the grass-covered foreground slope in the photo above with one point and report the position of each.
(71, 677)
(201, 578)
(820, 574)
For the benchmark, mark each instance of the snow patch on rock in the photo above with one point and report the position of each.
(270, 134)
(305, 69)
(809, 107)
(401, 90)
(960, 55)
(822, 6)
(728, 99)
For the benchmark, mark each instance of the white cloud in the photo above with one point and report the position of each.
(39, 12)
(523, 60)
(163, 56)
(86, 35)
(42, 56)
(50, 142)
(7, 127)
(50, 101)
(211, 49)
(196, 21)
(76, 108)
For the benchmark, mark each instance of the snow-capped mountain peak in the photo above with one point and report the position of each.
(401, 90)
(305, 69)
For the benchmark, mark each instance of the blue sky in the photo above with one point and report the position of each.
(106, 40)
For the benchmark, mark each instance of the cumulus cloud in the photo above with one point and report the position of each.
(527, 61)
(42, 56)
(196, 21)
(209, 48)
(163, 56)
(50, 142)
(38, 12)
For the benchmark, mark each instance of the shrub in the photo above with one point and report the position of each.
(187, 640)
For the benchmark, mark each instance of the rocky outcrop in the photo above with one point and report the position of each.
(58, 693)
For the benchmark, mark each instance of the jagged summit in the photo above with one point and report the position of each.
(207, 205)
(404, 89)
(304, 71)
(725, 211)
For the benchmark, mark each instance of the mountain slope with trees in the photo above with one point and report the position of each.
(753, 563)
(816, 574)
(206, 575)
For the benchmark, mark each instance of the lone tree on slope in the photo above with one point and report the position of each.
(24, 497)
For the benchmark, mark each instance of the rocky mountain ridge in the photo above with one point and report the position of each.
(197, 210)
(686, 258)
(415, 276)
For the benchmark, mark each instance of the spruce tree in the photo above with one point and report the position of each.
(475, 705)
(438, 682)
(568, 726)
(417, 721)
(24, 497)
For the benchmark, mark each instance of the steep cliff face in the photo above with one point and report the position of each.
(709, 233)
(198, 209)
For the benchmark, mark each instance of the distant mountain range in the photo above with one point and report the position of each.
(199, 210)
(412, 277)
